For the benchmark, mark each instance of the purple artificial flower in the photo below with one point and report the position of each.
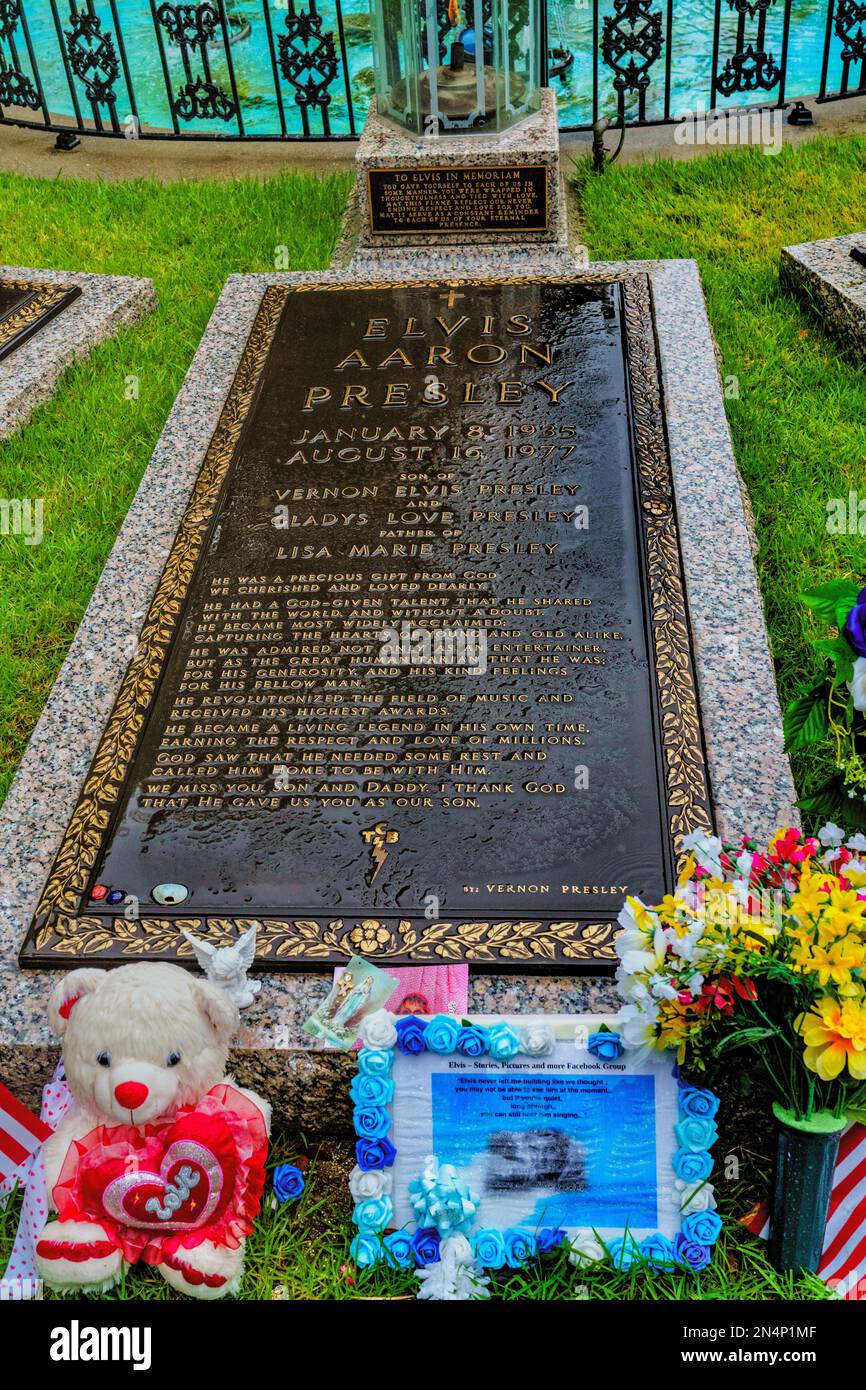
(410, 1035)
(375, 1153)
(425, 1247)
(855, 625)
(689, 1253)
(288, 1182)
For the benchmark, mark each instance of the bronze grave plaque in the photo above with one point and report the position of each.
(475, 198)
(416, 682)
(26, 306)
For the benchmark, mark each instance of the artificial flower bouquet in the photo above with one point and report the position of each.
(832, 709)
(759, 949)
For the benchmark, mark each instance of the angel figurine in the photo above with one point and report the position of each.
(227, 966)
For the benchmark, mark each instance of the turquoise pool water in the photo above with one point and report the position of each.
(570, 26)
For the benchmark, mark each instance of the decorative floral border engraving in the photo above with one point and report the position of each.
(40, 302)
(60, 936)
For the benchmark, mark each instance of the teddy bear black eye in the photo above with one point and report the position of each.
(104, 1059)
(172, 1059)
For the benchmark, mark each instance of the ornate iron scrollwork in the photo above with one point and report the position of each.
(308, 61)
(751, 68)
(191, 28)
(10, 13)
(204, 100)
(849, 25)
(631, 42)
(16, 88)
(92, 55)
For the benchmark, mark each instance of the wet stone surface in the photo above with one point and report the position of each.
(414, 676)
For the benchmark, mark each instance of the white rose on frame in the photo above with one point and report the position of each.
(694, 1198)
(537, 1040)
(585, 1248)
(857, 686)
(376, 1183)
(378, 1030)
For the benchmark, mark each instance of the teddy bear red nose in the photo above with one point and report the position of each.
(131, 1094)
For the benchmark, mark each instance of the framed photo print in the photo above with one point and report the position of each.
(522, 1134)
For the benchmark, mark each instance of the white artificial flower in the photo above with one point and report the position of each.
(631, 936)
(537, 1040)
(688, 946)
(637, 1030)
(378, 1182)
(639, 962)
(695, 1197)
(629, 922)
(828, 858)
(445, 1284)
(377, 1030)
(585, 1248)
(457, 1248)
(661, 987)
(454, 1277)
(632, 988)
(857, 842)
(857, 685)
(831, 834)
(744, 862)
(691, 894)
(707, 850)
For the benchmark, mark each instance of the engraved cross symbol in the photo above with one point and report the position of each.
(451, 296)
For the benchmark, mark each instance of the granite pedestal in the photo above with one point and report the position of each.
(412, 161)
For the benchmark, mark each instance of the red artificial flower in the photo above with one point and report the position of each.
(720, 994)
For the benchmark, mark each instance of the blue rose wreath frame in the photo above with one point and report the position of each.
(442, 1201)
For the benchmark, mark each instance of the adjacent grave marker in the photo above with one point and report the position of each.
(26, 306)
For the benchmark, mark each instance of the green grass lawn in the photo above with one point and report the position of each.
(799, 426)
(85, 450)
(300, 1251)
(799, 423)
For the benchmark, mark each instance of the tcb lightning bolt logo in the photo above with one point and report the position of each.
(376, 838)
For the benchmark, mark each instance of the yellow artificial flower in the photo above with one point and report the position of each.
(811, 896)
(855, 876)
(688, 869)
(835, 963)
(844, 910)
(835, 1036)
(674, 1027)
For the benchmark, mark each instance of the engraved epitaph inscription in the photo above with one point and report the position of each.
(416, 682)
(27, 306)
(477, 198)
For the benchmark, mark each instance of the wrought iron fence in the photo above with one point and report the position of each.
(302, 69)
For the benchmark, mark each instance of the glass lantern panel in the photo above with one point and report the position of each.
(457, 66)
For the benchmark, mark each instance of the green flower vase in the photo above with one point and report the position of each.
(805, 1163)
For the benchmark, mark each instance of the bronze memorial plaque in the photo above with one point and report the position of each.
(25, 306)
(477, 198)
(416, 682)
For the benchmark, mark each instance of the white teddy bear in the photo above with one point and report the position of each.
(162, 1157)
